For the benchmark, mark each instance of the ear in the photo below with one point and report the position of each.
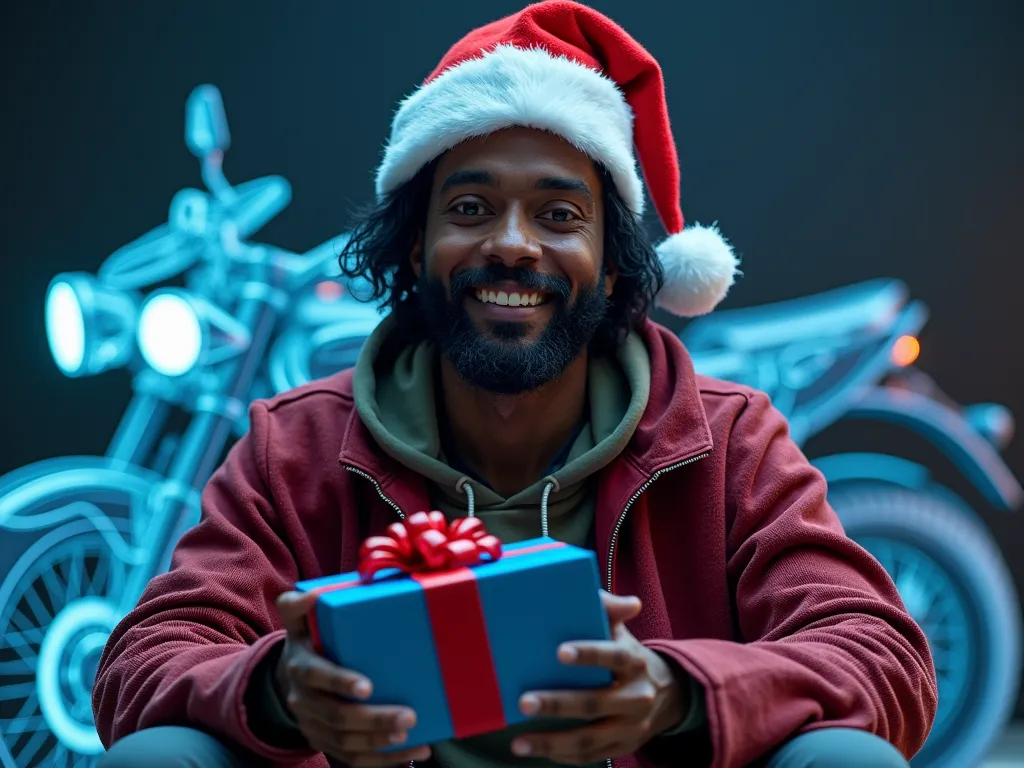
(416, 255)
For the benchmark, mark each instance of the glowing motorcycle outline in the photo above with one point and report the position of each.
(94, 530)
(848, 354)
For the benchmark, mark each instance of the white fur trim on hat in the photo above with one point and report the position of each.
(700, 267)
(508, 87)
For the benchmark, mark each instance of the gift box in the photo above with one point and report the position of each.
(446, 620)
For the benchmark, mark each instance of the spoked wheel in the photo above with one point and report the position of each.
(55, 617)
(64, 563)
(954, 582)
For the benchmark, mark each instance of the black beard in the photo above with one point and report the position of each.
(509, 364)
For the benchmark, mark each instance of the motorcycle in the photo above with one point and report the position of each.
(848, 355)
(219, 327)
(253, 320)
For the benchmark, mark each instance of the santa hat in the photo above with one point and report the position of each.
(565, 68)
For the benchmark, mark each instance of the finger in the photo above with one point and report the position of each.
(352, 742)
(313, 672)
(620, 658)
(581, 746)
(383, 759)
(341, 716)
(630, 701)
(293, 607)
(330, 743)
(620, 609)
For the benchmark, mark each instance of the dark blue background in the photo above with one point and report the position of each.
(834, 142)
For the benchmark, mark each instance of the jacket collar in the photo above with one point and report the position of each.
(673, 428)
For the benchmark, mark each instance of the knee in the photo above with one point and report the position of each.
(169, 747)
(838, 748)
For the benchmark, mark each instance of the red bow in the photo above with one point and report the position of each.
(425, 541)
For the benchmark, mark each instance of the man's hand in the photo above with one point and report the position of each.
(644, 701)
(312, 689)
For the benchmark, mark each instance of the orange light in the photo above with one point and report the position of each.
(328, 290)
(905, 350)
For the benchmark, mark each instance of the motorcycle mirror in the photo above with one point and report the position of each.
(206, 124)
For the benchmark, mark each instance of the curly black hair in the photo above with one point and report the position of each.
(385, 233)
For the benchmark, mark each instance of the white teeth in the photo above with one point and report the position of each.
(505, 299)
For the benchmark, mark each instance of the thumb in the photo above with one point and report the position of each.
(292, 607)
(620, 609)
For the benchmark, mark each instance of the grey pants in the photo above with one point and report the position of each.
(174, 747)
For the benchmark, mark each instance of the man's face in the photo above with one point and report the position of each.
(511, 270)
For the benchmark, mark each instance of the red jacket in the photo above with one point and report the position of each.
(712, 516)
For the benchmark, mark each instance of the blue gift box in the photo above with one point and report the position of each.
(461, 647)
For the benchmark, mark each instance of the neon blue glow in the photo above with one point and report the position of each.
(170, 334)
(89, 325)
(83, 535)
(65, 327)
(83, 626)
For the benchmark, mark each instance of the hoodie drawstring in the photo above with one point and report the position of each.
(550, 484)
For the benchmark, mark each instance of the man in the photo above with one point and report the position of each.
(517, 378)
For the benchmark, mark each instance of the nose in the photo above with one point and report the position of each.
(511, 240)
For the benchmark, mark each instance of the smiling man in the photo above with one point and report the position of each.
(518, 378)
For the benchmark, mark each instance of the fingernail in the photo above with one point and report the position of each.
(529, 705)
(398, 738)
(521, 748)
(567, 653)
(406, 720)
(363, 689)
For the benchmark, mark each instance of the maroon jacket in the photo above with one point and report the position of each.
(712, 516)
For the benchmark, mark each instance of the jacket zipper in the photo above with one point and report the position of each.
(622, 519)
(615, 531)
(632, 501)
(390, 502)
(377, 487)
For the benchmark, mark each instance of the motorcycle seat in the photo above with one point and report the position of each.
(838, 312)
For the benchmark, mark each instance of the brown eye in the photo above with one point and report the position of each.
(469, 209)
(561, 215)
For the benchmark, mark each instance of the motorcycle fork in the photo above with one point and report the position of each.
(174, 504)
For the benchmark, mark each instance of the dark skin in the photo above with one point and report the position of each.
(525, 198)
(495, 199)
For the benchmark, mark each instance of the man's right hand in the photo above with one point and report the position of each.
(315, 691)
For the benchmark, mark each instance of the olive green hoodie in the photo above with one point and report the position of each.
(400, 408)
(398, 403)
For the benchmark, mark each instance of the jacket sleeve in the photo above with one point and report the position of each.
(185, 654)
(826, 641)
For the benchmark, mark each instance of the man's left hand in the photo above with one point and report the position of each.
(645, 700)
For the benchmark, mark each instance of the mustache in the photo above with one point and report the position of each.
(464, 283)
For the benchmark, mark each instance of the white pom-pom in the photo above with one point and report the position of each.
(699, 266)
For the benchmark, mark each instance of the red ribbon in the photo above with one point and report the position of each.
(457, 622)
(425, 541)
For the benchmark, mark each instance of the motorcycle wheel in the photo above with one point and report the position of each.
(953, 580)
(64, 561)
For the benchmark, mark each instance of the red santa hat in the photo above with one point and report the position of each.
(565, 68)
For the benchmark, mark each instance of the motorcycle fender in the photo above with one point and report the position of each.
(946, 429)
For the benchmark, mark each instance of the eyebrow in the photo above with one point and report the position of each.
(464, 178)
(566, 185)
(483, 178)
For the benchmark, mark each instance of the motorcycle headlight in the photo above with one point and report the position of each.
(89, 325)
(179, 331)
